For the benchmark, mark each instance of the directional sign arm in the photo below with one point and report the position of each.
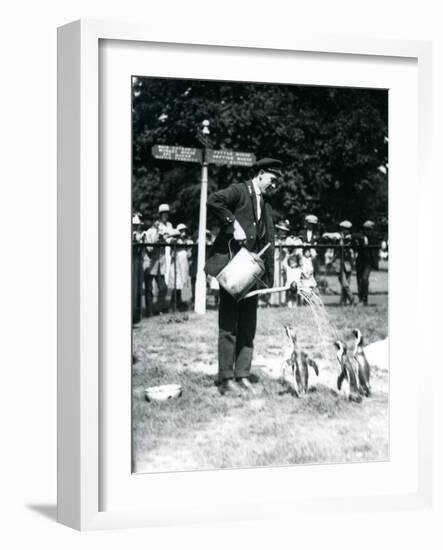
(177, 153)
(230, 158)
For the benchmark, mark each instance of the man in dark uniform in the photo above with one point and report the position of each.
(346, 263)
(245, 215)
(367, 260)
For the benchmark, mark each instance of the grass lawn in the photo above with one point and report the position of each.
(203, 430)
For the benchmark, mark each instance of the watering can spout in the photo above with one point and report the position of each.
(262, 291)
(304, 293)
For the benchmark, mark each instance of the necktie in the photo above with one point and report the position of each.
(258, 205)
(261, 219)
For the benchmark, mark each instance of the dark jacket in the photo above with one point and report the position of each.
(303, 234)
(237, 202)
(367, 254)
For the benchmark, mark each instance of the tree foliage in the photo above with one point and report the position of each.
(332, 141)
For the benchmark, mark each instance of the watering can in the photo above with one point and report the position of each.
(243, 271)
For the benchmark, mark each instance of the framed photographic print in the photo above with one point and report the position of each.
(232, 285)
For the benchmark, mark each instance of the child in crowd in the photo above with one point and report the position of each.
(307, 280)
(299, 275)
(293, 275)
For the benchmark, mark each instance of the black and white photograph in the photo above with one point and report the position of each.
(260, 255)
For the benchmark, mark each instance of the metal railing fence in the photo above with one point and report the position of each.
(329, 261)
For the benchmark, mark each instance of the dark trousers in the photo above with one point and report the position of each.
(316, 267)
(176, 300)
(345, 282)
(137, 276)
(162, 291)
(237, 323)
(363, 272)
(193, 282)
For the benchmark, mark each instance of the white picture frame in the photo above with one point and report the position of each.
(80, 433)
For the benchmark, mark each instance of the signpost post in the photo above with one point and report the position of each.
(203, 157)
(200, 281)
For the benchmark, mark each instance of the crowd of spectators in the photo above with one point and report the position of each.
(303, 259)
(300, 255)
(171, 267)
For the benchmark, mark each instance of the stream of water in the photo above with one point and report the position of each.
(326, 329)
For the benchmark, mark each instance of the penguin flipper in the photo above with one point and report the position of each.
(340, 379)
(314, 365)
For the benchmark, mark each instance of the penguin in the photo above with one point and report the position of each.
(346, 372)
(363, 367)
(299, 361)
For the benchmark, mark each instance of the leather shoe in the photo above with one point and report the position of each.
(245, 384)
(228, 386)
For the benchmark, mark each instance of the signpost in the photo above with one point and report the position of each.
(231, 158)
(184, 154)
(200, 280)
(204, 157)
(203, 136)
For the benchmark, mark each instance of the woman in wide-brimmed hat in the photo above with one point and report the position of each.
(179, 279)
